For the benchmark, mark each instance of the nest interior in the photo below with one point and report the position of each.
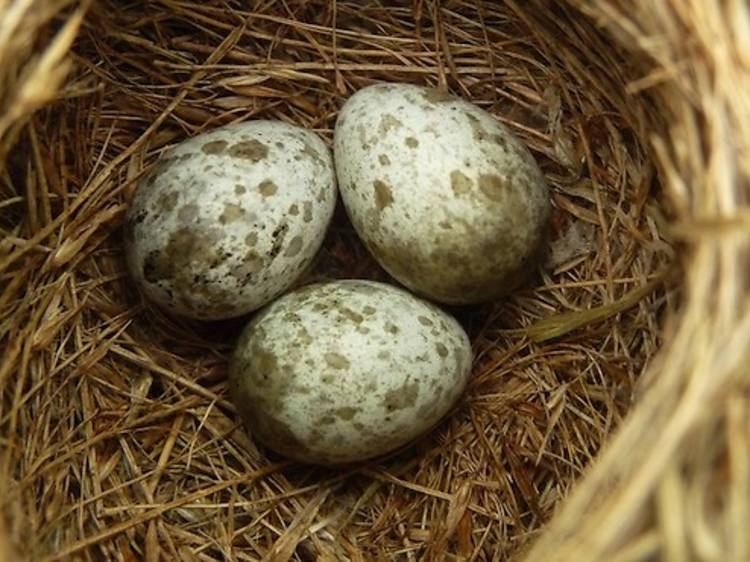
(118, 438)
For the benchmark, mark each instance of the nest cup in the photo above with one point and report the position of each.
(607, 417)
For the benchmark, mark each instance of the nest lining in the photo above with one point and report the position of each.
(120, 440)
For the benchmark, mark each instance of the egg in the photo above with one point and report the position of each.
(231, 218)
(347, 370)
(445, 197)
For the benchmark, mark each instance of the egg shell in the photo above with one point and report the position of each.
(347, 370)
(230, 219)
(445, 197)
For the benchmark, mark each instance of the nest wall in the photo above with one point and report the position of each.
(608, 414)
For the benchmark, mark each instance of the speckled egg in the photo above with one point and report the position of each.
(347, 370)
(230, 219)
(445, 197)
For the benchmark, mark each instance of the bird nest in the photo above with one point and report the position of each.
(608, 413)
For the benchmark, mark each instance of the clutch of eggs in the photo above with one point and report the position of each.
(347, 370)
(445, 197)
(230, 219)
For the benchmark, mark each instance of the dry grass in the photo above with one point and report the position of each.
(118, 440)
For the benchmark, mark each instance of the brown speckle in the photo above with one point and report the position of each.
(251, 239)
(346, 413)
(252, 150)
(167, 201)
(441, 349)
(494, 187)
(303, 336)
(501, 141)
(156, 267)
(480, 134)
(294, 210)
(308, 215)
(383, 195)
(337, 361)
(184, 248)
(254, 261)
(214, 147)
(362, 131)
(384, 160)
(139, 217)
(313, 154)
(264, 362)
(232, 212)
(294, 247)
(388, 122)
(188, 213)
(351, 315)
(327, 420)
(239, 189)
(268, 188)
(403, 397)
(425, 321)
(369, 310)
(436, 95)
(460, 183)
(278, 236)
(391, 328)
(307, 211)
(160, 169)
(445, 225)
(411, 142)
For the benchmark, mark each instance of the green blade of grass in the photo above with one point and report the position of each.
(561, 324)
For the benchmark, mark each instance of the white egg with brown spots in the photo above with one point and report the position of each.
(230, 219)
(445, 197)
(344, 371)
